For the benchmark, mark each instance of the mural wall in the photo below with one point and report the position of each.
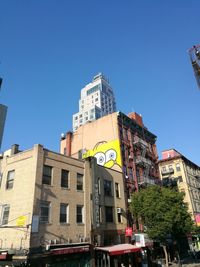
(107, 154)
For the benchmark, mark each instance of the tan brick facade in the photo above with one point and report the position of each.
(187, 176)
(30, 196)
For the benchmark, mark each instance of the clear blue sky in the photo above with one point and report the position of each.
(50, 49)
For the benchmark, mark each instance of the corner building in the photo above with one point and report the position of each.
(55, 205)
(118, 142)
(176, 167)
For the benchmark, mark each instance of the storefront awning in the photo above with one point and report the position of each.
(119, 249)
(69, 250)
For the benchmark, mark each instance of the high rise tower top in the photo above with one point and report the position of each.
(97, 100)
(100, 76)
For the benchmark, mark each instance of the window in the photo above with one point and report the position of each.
(5, 214)
(63, 213)
(10, 179)
(170, 168)
(119, 217)
(107, 188)
(99, 185)
(65, 179)
(180, 179)
(164, 169)
(117, 190)
(80, 116)
(1, 177)
(109, 214)
(47, 173)
(178, 168)
(76, 118)
(80, 154)
(125, 134)
(93, 89)
(86, 118)
(44, 211)
(80, 121)
(79, 214)
(79, 185)
(96, 99)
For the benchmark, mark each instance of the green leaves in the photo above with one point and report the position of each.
(162, 211)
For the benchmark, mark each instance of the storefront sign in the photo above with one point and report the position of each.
(128, 231)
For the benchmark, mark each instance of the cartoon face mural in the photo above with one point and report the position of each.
(106, 153)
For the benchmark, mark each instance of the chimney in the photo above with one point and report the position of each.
(136, 117)
(14, 149)
(68, 143)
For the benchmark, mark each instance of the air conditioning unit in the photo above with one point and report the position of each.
(47, 247)
(82, 239)
(119, 210)
(53, 241)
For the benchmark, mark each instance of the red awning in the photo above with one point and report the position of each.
(3, 255)
(119, 249)
(69, 250)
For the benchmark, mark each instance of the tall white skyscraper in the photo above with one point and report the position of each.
(97, 100)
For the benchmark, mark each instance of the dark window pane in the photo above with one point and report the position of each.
(63, 213)
(117, 189)
(44, 212)
(10, 179)
(109, 214)
(107, 188)
(79, 214)
(47, 173)
(5, 217)
(79, 185)
(64, 179)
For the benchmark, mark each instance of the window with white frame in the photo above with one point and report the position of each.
(178, 167)
(5, 214)
(64, 213)
(79, 214)
(47, 175)
(79, 185)
(10, 179)
(64, 179)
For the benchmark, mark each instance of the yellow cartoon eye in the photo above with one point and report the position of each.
(111, 155)
(101, 158)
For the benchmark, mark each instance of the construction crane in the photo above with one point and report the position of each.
(194, 54)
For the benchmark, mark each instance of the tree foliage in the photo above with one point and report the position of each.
(162, 211)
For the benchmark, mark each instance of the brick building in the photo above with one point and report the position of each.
(48, 201)
(118, 142)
